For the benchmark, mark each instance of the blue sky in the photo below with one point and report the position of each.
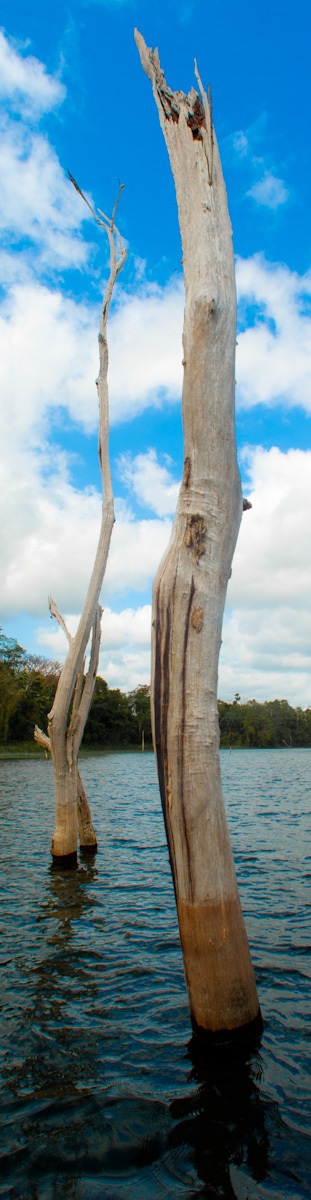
(73, 94)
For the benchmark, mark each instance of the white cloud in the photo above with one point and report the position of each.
(49, 538)
(150, 481)
(125, 648)
(127, 665)
(48, 359)
(23, 79)
(267, 628)
(272, 564)
(37, 201)
(269, 191)
(39, 211)
(265, 657)
(130, 626)
(49, 355)
(49, 530)
(136, 550)
(146, 349)
(274, 352)
(47, 541)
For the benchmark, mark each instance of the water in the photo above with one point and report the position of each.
(105, 1095)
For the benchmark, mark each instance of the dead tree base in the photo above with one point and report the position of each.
(66, 862)
(88, 849)
(219, 974)
(243, 1036)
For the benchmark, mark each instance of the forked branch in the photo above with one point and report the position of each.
(64, 739)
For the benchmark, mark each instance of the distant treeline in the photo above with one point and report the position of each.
(271, 724)
(27, 689)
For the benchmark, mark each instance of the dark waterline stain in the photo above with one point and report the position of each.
(104, 1093)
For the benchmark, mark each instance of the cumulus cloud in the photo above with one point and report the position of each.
(38, 208)
(24, 80)
(271, 562)
(125, 649)
(136, 550)
(49, 538)
(267, 627)
(127, 665)
(49, 355)
(274, 351)
(37, 202)
(48, 359)
(147, 325)
(269, 191)
(264, 657)
(49, 533)
(150, 481)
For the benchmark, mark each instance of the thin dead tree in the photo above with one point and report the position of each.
(66, 721)
(190, 586)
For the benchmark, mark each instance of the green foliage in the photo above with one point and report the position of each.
(12, 660)
(271, 724)
(27, 689)
(116, 718)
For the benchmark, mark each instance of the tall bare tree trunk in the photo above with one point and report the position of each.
(64, 739)
(190, 586)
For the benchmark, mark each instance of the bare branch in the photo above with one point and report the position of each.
(92, 210)
(55, 613)
(42, 738)
(116, 204)
(84, 689)
(90, 679)
(111, 220)
(71, 747)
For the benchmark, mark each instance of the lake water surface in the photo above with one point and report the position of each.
(105, 1095)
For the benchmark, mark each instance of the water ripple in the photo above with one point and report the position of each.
(104, 1093)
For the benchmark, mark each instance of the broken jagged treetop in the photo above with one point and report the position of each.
(187, 125)
(197, 112)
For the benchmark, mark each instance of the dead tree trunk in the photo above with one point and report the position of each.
(190, 586)
(75, 690)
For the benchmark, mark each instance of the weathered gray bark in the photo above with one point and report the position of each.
(190, 586)
(65, 738)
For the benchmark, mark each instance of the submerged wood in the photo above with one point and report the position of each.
(190, 586)
(66, 721)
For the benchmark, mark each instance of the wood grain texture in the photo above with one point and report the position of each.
(190, 586)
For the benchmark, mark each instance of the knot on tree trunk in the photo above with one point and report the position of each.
(187, 472)
(195, 536)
